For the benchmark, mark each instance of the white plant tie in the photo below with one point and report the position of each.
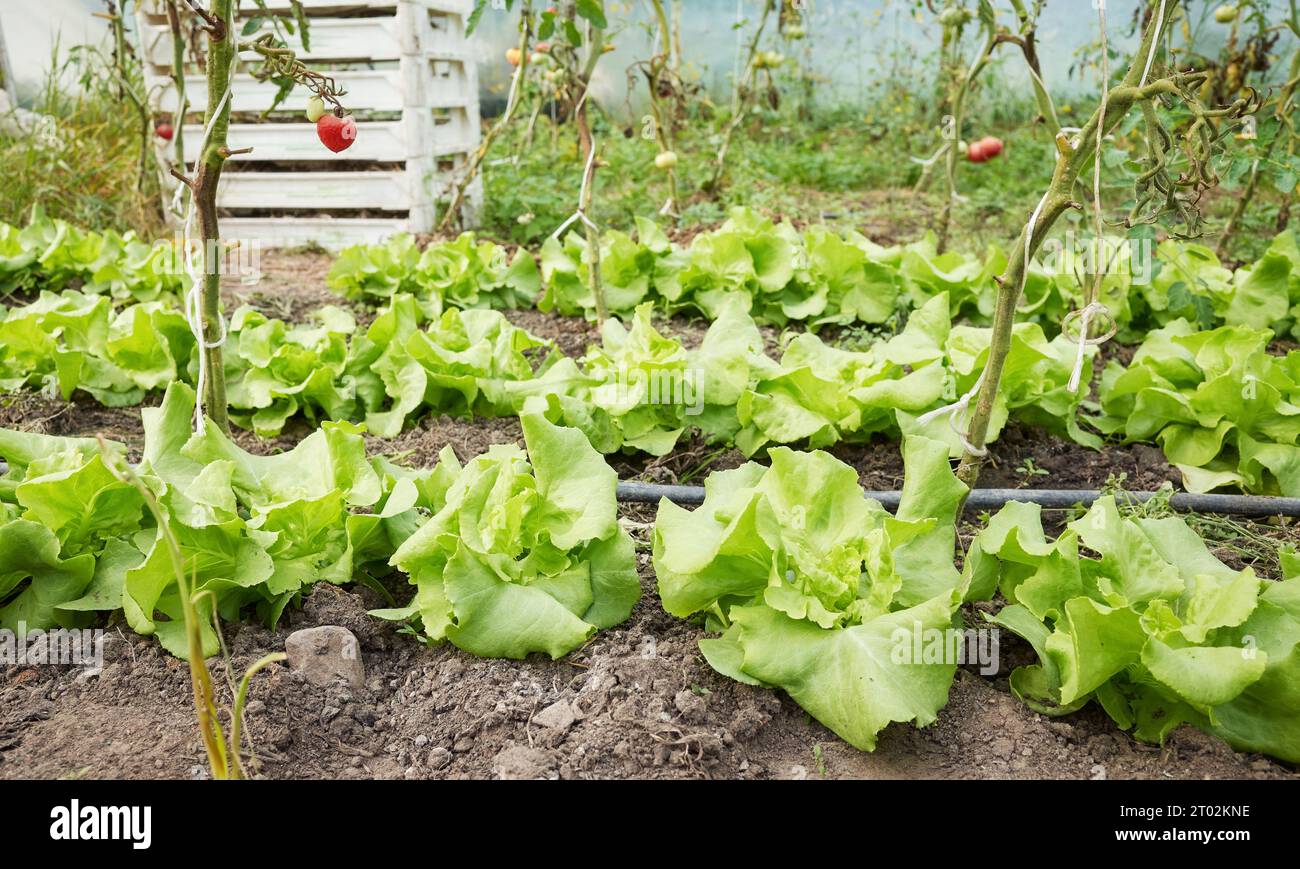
(1155, 41)
(194, 297)
(1094, 307)
(943, 149)
(579, 215)
(1084, 316)
(955, 412)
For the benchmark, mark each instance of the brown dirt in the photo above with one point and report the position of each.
(645, 704)
(291, 285)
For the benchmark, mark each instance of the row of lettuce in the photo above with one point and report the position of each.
(53, 254)
(801, 582)
(1220, 404)
(814, 277)
(509, 555)
(819, 277)
(637, 390)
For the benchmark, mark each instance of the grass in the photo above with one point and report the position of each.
(85, 168)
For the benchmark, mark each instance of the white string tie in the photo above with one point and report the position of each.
(955, 412)
(194, 297)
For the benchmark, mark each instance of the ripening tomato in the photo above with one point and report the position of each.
(315, 108)
(1225, 14)
(336, 133)
(992, 146)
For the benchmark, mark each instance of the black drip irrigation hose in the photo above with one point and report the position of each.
(992, 499)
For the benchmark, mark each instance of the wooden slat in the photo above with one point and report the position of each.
(330, 233)
(333, 40)
(376, 90)
(314, 190)
(319, 7)
(383, 142)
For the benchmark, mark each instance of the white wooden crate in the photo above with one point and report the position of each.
(156, 9)
(332, 40)
(416, 106)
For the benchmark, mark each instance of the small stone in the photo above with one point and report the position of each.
(690, 705)
(257, 707)
(1098, 772)
(421, 741)
(521, 762)
(325, 654)
(1061, 728)
(558, 717)
(439, 758)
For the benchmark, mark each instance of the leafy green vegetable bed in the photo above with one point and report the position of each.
(807, 585)
(820, 592)
(256, 531)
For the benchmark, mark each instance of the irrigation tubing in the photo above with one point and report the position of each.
(992, 499)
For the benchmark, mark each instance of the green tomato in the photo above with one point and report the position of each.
(1225, 14)
(954, 17)
(666, 160)
(315, 109)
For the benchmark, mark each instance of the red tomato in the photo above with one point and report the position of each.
(992, 146)
(336, 133)
(165, 131)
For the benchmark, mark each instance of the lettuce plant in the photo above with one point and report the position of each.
(254, 532)
(51, 254)
(464, 363)
(464, 273)
(1223, 409)
(523, 552)
(639, 390)
(72, 341)
(1137, 615)
(275, 371)
(817, 590)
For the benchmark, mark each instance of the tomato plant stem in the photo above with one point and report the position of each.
(452, 214)
(663, 120)
(740, 99)
(221, 50)
(178, 79)
(1070, 163)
